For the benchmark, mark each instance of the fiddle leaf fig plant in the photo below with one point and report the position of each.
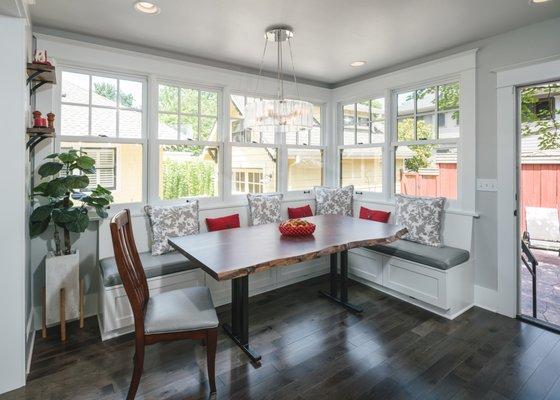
(64, 201)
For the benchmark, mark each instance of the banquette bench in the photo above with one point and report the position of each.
(438, 279)
(173, 271)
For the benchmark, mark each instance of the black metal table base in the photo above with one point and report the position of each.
(343, 280)
(252, 354)
(238, 331)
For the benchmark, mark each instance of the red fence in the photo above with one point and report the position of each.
(442, 184)
(540, 187)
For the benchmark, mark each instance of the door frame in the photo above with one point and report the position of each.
(508, 80)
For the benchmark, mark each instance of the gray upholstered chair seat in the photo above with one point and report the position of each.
(180, 310)
(165, 264)
(438, 257)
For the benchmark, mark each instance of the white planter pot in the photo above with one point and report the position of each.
(62, 272)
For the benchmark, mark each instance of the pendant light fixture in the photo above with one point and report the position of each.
(281, 114)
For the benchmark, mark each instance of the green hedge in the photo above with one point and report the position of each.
(187, 178)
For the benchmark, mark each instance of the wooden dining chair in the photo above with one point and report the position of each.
(174, 315)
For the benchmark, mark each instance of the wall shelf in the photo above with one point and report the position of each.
(40, 74)
(37, 135)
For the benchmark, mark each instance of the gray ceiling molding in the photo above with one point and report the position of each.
(167, 54)
(241, 68)
(407, 64)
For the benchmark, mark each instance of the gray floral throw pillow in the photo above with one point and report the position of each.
(264, 208)
(422, 217)
(334, 200)
(172, 221)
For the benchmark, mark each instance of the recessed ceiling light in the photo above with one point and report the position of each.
(146, 7)
(357, 63)
(537, 1)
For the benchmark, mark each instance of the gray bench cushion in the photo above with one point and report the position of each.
(180, 310)
(164, 264)
(438, 257)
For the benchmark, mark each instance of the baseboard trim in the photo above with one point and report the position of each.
(486, 298)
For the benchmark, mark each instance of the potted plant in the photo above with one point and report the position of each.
(65, 203)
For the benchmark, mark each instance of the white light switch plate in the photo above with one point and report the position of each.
(487, 185)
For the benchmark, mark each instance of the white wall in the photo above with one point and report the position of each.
(13, 203)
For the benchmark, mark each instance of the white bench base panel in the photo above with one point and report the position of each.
(448, 293)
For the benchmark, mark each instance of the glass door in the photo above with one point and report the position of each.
(539, 202)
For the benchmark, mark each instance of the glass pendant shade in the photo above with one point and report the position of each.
(287, 115)
(280, 114)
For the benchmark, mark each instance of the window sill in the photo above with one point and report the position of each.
(468, 213)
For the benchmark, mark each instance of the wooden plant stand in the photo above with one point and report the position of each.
(62, 312)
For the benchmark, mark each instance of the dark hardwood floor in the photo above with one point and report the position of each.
(314, 349)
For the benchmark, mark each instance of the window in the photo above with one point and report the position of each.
(361, 155)
(116, 168)
(248, 181)
(427, 134)
(362, 167)
(305, 168)
(364, 122)
(104, 116)
(106, 167)
(253, 169)
(255, 154)
(188, 142)
(101, 106)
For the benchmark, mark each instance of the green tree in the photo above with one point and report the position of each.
(422, 153)
(174, 101)
(543, 122)
(447, 99)
(109, 91)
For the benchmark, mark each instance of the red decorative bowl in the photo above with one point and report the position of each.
(302, 230)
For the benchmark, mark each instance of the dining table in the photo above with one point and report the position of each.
(234, 254)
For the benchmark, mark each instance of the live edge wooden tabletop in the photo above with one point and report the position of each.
(237, 252)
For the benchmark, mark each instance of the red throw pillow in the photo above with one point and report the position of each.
(374, 215)
(227, 222)
(300, 212)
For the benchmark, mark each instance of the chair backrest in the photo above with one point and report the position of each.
(130, 267)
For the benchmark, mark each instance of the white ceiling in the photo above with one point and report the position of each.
(329, 34)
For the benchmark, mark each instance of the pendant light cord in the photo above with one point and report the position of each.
(293, 67)
(261, 65)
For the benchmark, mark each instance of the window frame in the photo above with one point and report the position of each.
(384, 146)
(154, 195)
(91, 140)
(394, 142)
(281, 150)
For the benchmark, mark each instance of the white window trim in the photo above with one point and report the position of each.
(281, 149)
(461, 67)
(153, 190)
(394, 142)
(57, 105)
(362, 194)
